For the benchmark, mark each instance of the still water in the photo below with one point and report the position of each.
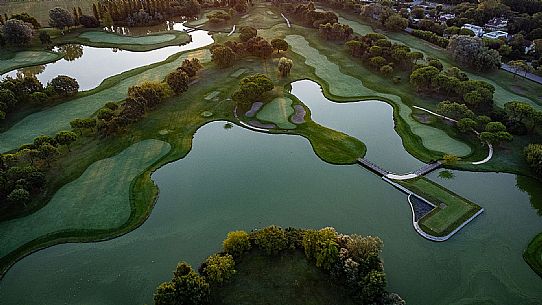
(238, 179)
(89, 65)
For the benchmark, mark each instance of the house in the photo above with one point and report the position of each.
(497, 24)
(446, 17)
(496, 35)
(477, 30)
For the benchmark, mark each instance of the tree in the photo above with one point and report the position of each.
(150, 94)
(533, 156)
(7, 99)
(222, 56)
(218, 269)
(43, 139)
(236, 243)
(28, 19)
(65, 138)
(450, 159)
(471, 51)
(177, 81)
(63, 86)
(495, 127)
(89, 21)
(422, 78)
(454, 110)
(387, 70)
(186, 288)
(191, 67)
(247, 32)
(45, 38)
(396, 23)
(466, 125)
(279, 44)
(47, 152)
(17, 32)
(60, 18)
(271, 240)
(19, 196)
(285, 66)
(495, 138)
(321, 246)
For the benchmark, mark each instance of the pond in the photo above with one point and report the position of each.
(238, 179)
(90, 66)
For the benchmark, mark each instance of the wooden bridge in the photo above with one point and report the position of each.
(373, 167)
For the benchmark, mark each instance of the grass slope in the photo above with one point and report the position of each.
(54, 119)
(287, 279)
(533, 254)
(452, 210)
(14, 60)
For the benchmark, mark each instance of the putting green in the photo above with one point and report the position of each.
(347, 86)
(54, 119)
(22, 59)
(501, 95)
(105, 37)
(278, 111)
(98, 200)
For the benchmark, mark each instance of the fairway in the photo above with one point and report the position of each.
(347, 86)
(119, 39)
(98, 200)
(452, 210)
(278, 111)
(9, 62)
(57, 118)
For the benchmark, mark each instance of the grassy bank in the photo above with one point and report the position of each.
(533, 254)
(11, 60)
(452, 210)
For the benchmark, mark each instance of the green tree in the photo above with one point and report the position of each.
(396, 23)
(247, 32)
(321, 246)
(65, 138)
(285, 66)
(455, 110)
(271, 240)
(466, 125)
(533, 156)
(222, 56)
(19, 196)
(236, 243)
(218, 269)
(63, 86)
(495, 127)
(279, 44)
(45, 38)
(47, 152)
(422, 78)
(186, 288)
(387, 70)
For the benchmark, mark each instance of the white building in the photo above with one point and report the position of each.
(496, 35)
(477, 30)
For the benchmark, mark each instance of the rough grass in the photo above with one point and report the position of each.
(452, 210)
(346, 86)
(287, 279)
(14, 60)
(97, 200)
(40, 9)
(278, 111)
(54, 119)
(533, 254)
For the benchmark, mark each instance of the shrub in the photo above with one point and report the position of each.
(17, 32)
(177, 81)
(431, 37)
(89, 21)
(63, 86)
(272, 240)
(218, 269)
(236, 243)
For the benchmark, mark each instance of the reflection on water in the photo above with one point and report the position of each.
(532, 187)
(90, 66)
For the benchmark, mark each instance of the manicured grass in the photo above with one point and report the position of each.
(287, 279)
(101, 39)
(98, 200)
(278, 111)
(54, 119)
(533, 254)
(14, 60)
(452, 210)
(345, 86)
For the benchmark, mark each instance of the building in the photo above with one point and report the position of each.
(497, 24)
(477, 30)
(496, 35)
(446, 17)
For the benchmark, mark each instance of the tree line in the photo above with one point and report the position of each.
(352, 261)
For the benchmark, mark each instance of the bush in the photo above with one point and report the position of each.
(186, 288)
(236, 243)
(533, 156)
(431, 37)
(272, 240)
(60, 18)
(218, 269)
(177, 81)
